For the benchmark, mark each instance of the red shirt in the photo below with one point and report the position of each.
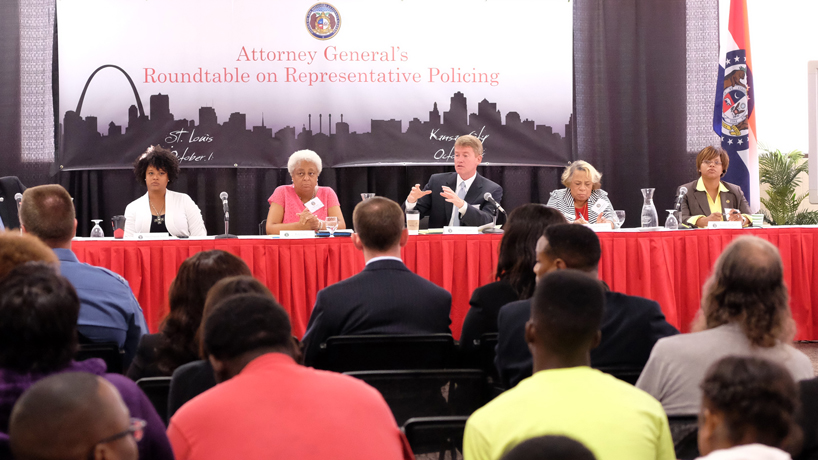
(276, 408)
(582, 212)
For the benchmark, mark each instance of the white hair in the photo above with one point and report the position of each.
(303, 155)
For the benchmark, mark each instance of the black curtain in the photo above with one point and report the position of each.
(629, 92)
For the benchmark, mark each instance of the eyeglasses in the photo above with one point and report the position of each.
(712, 162)
(136, 428)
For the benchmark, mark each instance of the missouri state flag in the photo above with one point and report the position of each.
(734, 115)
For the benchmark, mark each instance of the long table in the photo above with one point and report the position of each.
(667, 266)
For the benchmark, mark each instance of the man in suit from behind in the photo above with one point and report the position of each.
(631, 325)
(9, 186)
(454, 199)
(385, 298)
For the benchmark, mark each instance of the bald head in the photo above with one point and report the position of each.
(64, 416)
(750, 263)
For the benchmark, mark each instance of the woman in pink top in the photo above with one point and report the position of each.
(287, 203)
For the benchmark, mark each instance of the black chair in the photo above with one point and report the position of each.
(262, 227)
(386, 352)
(435, 434)
(429, 393)
(487, 350)
(624, 373)
(684, 429)
(108, 351)
(157, 389)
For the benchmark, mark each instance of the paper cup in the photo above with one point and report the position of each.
(413, 221)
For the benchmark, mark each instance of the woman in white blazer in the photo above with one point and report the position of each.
(582, 201)
(161, 210)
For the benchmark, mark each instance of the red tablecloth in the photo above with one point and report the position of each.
(669, 267)
(295, 270)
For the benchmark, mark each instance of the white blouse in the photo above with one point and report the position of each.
(182, 216)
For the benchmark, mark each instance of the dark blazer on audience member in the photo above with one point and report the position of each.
(10, 186)
(808, 419)
(440, 211)
(485, 304)
(385, 298)
(630, 327)
(144, 363)
(189, 380)
(695, 203)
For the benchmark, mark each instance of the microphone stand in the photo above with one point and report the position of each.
(493, 229)
(226, 227)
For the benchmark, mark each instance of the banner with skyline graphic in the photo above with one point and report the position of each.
(246, 83)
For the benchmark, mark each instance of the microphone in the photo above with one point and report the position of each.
(18, 197)
(487, 196)
(682, 192)
(223, 197)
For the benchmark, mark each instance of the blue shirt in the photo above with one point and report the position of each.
(109, 311)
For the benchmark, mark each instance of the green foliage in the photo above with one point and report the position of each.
(780, 171)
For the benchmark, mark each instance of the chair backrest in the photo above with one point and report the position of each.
(624, 373)
(262, 227)
(108, 351)
(157, 389)
(487, 351)
(386, 352)
(435, 434)
(429, 393)
(684, 429)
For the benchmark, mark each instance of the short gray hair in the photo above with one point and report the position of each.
(303, 155)
(584, 166)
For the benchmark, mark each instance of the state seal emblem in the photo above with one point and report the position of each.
(736, 106)
(323, 21)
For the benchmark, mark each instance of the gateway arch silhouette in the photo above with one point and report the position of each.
(133, 87)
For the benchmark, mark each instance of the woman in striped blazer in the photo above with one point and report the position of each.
(582, 201)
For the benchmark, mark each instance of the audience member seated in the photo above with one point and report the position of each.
(16, 249)
(288, 210)
(194, 378)
(748, 411)
(457, 198)
(269, 406)
(630, 325)
(386, 297)
(9, 187)
(161, 210)
(515, 279)
(161, 353)
(549, 448)
(38, 338)
(109, 311)
(565, 396)
(73, 415)
(745, 312)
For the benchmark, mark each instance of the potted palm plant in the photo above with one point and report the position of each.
(780, 172)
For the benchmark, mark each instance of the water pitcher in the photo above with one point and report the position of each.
(649, 216)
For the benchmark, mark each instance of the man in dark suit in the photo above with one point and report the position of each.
(453, 199)
(630, 326)
(9, 186)
(385, 298)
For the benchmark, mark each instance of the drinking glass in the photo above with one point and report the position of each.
(366, 196)
(97, 232)
(332, 225)
(671, 223)
(619, 218)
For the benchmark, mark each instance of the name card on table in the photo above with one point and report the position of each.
(726, 224)
(296, 234)
(150, 236)
(460, 230)
(600, 227)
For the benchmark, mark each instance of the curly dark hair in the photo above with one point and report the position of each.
(515, 263)
(747, 287)
(38, 319)
(159, 158)
(187, 294)
(755, 396)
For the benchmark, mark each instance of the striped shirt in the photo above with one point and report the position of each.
(562, 201)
